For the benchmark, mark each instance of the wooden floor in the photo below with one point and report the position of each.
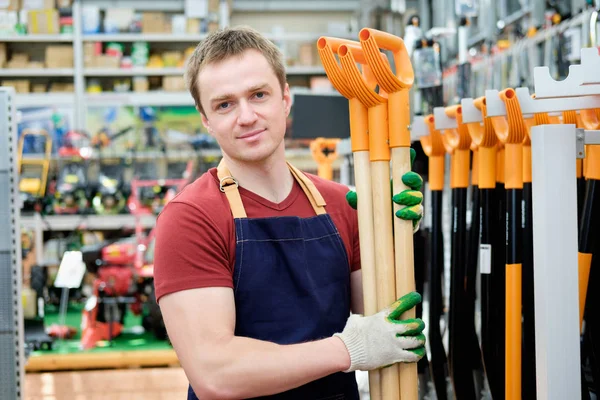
(114, 384)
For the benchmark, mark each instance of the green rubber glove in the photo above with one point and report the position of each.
(411, 198)
(383, 339)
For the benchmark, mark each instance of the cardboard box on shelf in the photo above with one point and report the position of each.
(61, 87)
(20, 85)
(173, 84)
(35, 65)
(140, 84)
(106, 61)
(10, 5)
(193, 25)
(38, 88)
(43, 22)
(18, 61)
(59, 56)
(155, 22)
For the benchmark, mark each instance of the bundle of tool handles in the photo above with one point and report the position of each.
(490, 152)
(380, 134)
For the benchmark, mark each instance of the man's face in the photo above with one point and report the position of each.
(245, 109)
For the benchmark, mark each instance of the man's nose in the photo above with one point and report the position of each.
(247, 114)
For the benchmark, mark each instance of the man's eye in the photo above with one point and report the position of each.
(223, 106)
(260, 95)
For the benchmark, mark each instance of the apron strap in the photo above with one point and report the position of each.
(229, 186)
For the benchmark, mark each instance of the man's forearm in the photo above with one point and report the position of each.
(246, 367)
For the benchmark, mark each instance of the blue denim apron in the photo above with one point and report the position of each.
(291, 283)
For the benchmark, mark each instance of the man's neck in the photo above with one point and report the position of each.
(270, 179)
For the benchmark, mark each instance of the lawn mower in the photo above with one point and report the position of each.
(72, 191)
(110, 191)
(149, 196)
(124, 280)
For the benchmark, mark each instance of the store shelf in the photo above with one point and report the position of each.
(144, 37)
(305, 70)
(35, 72)
(295, 6)
(65, 37)
(133, 71)
(306, 36)
(91, 222)
(153, 98)
(44, 99)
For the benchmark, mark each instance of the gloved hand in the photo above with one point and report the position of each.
(382, 339)
(411, 199)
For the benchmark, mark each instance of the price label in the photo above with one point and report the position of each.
(485, 258)
(71, 270)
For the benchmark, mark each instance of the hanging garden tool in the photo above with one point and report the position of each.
(397, 85)
(513, 138)
(458, 143)
(379, 156)
(324, 152)
(485, 138)
(438, 363)
(359, 138)
(528, 390)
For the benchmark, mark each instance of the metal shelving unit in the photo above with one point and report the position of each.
(63, 37)
(33, 72)
(135, 71)
(44, 99)
(92, 222)
(12, 357)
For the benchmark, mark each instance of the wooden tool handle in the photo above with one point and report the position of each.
(404, 262)
(384, 259)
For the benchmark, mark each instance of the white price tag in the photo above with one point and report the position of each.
(71, 270)
(485, 258)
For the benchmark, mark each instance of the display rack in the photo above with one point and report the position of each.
(12, 358)
(555, 232)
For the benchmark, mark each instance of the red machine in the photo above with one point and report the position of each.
(149, 196)
(124, 279)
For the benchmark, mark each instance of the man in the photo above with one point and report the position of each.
(257, 265)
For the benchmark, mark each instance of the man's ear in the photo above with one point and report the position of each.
(206, 123)
(287, 99)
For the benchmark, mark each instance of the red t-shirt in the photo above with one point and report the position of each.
(195, 232)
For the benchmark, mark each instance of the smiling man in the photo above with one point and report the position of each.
(257, 264)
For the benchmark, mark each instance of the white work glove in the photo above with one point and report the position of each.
(383, 339)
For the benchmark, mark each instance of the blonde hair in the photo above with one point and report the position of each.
(226, 43)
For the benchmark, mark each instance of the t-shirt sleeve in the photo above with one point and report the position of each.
(190, 251)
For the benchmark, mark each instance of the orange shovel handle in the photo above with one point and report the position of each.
(395, 83)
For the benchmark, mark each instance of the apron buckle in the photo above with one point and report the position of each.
(227, 181)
